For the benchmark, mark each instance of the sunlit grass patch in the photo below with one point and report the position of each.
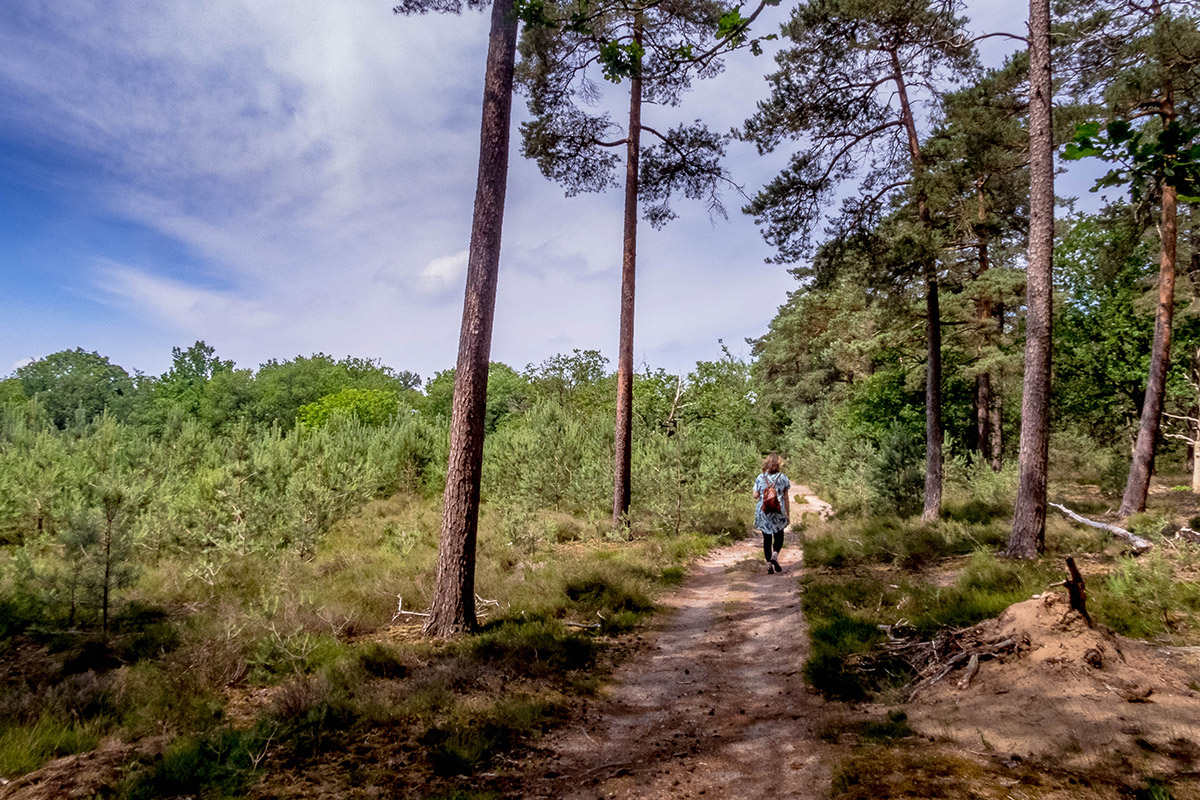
(1142, 597)
(25, 747)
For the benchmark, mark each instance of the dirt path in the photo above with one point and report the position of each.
(715, 706)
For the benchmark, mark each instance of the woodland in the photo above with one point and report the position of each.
(331, 577)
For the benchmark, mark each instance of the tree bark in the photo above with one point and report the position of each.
(997, 412)
(1138, 484)
(622, 477)
(453, 607)
(997, 429)
(983, 381)
(1196, 460)
(933, 321)
(933, 397)
(983, 415)
(1028, 536)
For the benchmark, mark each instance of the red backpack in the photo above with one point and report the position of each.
(770, 498)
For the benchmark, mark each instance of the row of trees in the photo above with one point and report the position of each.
(85, 503)
(888, 94)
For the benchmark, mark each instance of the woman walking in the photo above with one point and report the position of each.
(771, 515)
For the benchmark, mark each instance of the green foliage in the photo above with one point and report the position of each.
(76, 386)
(531, 647)
(368, 406)
(216, 764)
(1143, 598)
(25, 747)
(845, 611)
(1170, 156)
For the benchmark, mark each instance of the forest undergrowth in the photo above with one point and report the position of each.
(875, 576)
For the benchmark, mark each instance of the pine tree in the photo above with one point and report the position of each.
(659, 48)
(844, 91)
(453, 607)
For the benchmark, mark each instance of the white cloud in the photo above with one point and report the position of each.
(442, 275)
(22, 362)
(193, 309)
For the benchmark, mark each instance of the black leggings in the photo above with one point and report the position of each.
(769, 539)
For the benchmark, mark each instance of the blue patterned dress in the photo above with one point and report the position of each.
(775, 521)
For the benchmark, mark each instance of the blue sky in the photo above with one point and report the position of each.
(287, 178)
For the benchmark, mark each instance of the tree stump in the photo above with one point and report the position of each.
(1076, 591)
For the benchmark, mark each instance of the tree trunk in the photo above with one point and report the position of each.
(1195, 447)
(108, 534)
(933, 321)
(983, 416)
(997, 426)
(622, 477)
(1028, 537)
(453, 606)
(983, 381)
(1138, 484)
(933, 398)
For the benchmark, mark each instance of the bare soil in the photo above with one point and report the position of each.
(83, 776)
(1078, 696)
(716, 706)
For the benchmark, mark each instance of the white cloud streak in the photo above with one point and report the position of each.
(317, 163)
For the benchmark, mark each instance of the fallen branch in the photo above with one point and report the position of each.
(1137, 543)
(1188, 535)
(400, 612)
(969, 675)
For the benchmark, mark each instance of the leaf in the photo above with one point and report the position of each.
(1119, 130)
(732, 25)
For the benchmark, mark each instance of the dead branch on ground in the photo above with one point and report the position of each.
(1136, 543)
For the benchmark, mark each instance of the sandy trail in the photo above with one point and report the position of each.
(715, 706)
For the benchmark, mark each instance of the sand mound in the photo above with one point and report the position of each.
(1083, 697)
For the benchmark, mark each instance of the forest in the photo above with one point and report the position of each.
(331, 576)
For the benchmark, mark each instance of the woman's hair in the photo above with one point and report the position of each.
(771, 463)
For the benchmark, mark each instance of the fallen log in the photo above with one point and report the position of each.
(1136, 543)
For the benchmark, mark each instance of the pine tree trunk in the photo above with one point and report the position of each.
(933, 398)
(622, 476)
(983, 415)
(997, 426)
(453, 607)
(1195, 448)
(1028, 535)
(983, 381)
(1138, 484)
(933, 321)
(997, 429)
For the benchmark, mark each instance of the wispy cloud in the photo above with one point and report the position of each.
(191, 308)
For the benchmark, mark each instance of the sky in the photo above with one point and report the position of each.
(280, 179)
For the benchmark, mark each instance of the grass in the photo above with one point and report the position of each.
(908, 543)
(845, 610)
(309, 633)
(1144, 598)
(876, 772)
(24, 748)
